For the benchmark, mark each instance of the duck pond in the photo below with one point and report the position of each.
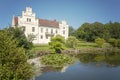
(86, 67)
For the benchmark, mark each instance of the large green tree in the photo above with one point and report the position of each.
(91, 31)
(13, 61)
(71, 31)
(19, 35)
(23, 41)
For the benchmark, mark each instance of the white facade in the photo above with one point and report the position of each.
(41, 28)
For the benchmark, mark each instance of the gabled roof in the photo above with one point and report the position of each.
(48, 23)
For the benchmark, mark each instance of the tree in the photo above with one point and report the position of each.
(57, 43)
(23, 41)
(115, 30)
(99, 41)
(114, 42)
(71, 31)
(13, 61)
(71, 42)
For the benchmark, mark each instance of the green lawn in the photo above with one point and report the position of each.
(81, 44)
(84, 44)
(41, 47)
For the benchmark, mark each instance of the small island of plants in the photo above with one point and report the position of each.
(56, 60)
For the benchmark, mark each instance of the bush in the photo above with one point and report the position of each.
(57, 44)
(99, 41)
(115, 42)
(72, 42)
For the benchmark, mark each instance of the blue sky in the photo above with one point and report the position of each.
(75, 12)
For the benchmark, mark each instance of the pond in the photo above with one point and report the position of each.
(87, 67)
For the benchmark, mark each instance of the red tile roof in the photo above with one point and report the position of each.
(15, 20)
(48, 23)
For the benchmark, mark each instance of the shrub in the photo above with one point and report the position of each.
(99, 41)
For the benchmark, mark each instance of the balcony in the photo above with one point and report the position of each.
(49, 34)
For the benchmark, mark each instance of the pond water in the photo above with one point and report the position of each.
(88, 67)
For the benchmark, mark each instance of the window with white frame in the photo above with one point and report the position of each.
(24, 28)
(28, 20)
(33, 29)
(47, 30)
(51, 31)
(46, 37)
(41, 36)
(56, 31)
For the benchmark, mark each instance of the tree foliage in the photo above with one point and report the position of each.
(13, 61)
(72, 42)
(57, 43)
(114, 42)
(91, 31)
(99, 41)
(71, 31)
(23, 41)
(19, 35)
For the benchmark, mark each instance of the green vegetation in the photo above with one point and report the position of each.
(71, 31)
(99, 41)
(22, 40)
(13, 60)
(91, 31)
(72, 42)
(56, 60)
(57, 44)
(115, 42)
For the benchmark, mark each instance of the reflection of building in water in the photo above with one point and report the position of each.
(64, 69)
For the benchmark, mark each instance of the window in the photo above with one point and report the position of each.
(41, 36)
(64, 32)
(47, 30)
(41, 30)
(56, 31)
(28, 20)
(33, 29)
(51, 30)
(46, 37)
(24, 28)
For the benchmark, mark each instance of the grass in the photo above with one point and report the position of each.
(41, 47)
(84, 44)
(81, 44)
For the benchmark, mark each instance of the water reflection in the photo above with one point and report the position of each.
(112, 59)
(89, 67)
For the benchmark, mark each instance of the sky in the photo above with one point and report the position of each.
(75, 12)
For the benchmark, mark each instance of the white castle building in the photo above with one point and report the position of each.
(43, 29)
